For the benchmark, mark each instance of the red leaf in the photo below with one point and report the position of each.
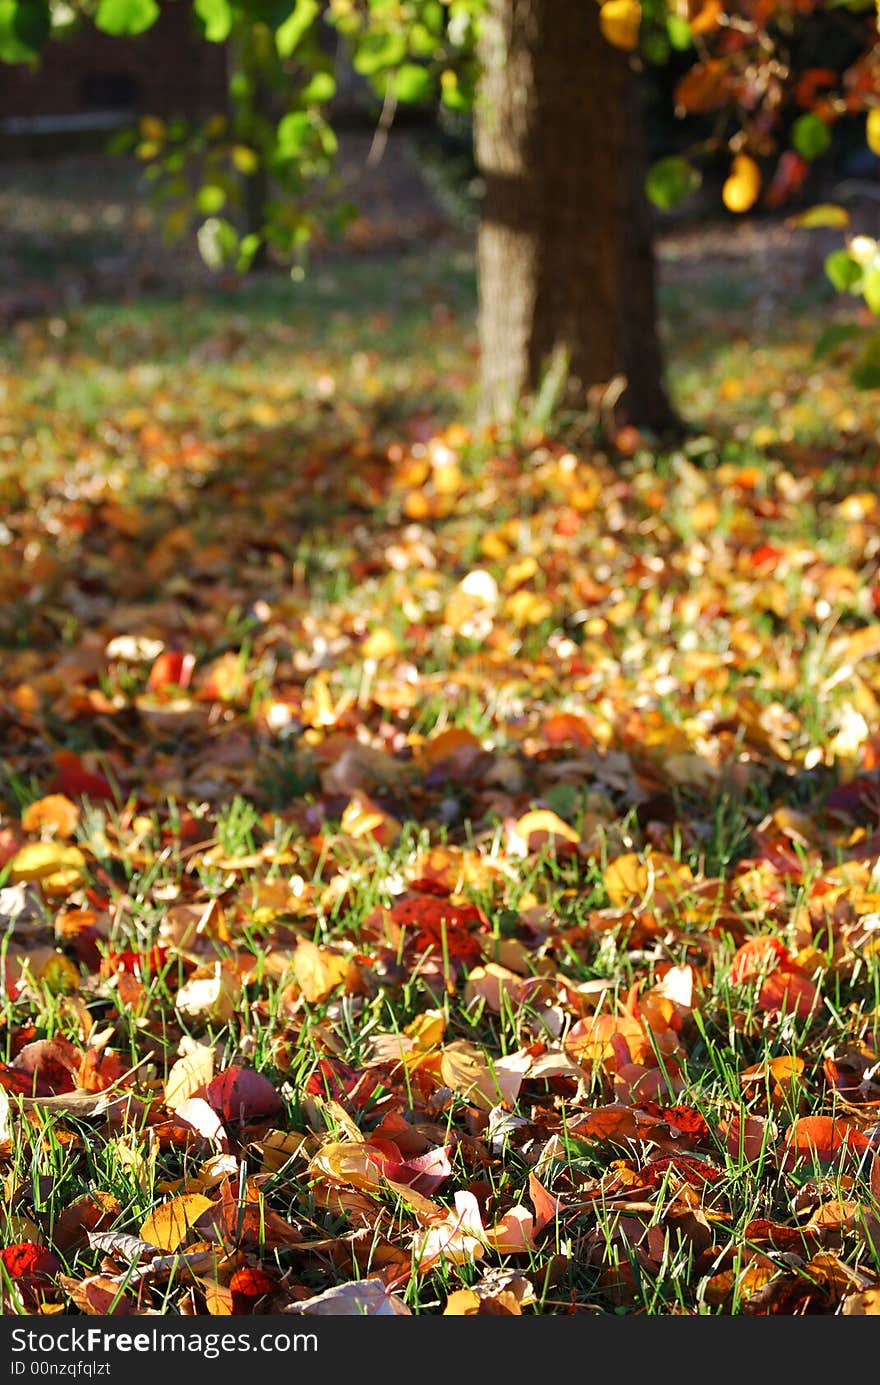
(336, 1081)
(29, 1266)
(45, 1067)
(171, 669)
(246, 1286)
(73, 778)
(240, 1094)
(440, 926)
(695, 1172)
(744, 1138)
(426, 1172)
(26, 1260)
(136, 964)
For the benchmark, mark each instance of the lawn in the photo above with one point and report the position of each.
(438, 865)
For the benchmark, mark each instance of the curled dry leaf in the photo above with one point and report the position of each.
(543, 828)
(358, 1298)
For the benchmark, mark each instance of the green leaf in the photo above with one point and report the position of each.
(24, 29)
(679, 32)
(865, 374)
(293, 134)
(217, 16)
(378, 50)
(210, 198)
(412, 83)
(670, 180)
(810, 136)
(871, 288)
(126, 16)
(656, 47)
(293, 30)
(843, 271)
(248, 248)
(321, 88)
(218, 242)
(834, 336)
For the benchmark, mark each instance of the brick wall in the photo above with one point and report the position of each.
(167, 71)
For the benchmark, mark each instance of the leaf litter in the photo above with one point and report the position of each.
(439, 868)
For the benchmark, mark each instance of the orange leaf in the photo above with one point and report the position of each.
(822, 1138)
(55, 816)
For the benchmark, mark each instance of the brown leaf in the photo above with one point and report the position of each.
(93, 1212)
(100, 1295)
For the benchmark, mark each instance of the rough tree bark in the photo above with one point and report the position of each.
(565, 246)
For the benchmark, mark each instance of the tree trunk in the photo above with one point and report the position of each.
(565, 248)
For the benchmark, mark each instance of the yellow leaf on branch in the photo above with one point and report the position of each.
(620, 21)
(742, 186)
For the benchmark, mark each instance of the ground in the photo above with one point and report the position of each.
(431, 857)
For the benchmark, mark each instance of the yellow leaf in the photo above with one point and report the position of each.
(465, 1068)
(620, 21)
(867, 1302)
(427, 1030)
(526, 607)
(364, 818)
(151, 127)
(872, 130)
(170, 1225)
(543, 821)
(317, 970)
(380, 644)
(59, 975)
(353, 1165)
(40, 860)
(279, 1147)
(245, 160)
(629, 879)
(190, 1074)
(741, 188)
(462, 1303)
(824, 214)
